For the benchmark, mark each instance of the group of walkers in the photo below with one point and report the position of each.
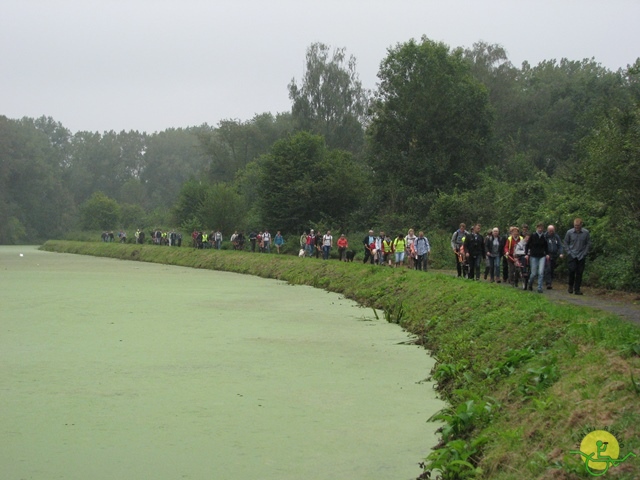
(314, 243)
(258, 241)
(378, 249)
(158, 237)
(206, 240)
(527, 256)
(518, 258)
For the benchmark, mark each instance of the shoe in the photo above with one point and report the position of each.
(530, 287)
(570, 289)
(549, 287)
(539, 290)
(498, 281)
(578, 292)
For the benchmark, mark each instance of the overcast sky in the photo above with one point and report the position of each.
(149, 65)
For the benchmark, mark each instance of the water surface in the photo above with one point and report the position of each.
(113, 369)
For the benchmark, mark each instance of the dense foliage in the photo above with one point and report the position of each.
(449, 136)
(431, 128)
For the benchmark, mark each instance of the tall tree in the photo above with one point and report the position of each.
(432, 124)
(192, 196)
(222, 208)
(302, 182)
(104, 162)
(100, 212)
(233, 144)
(491, 66)
(612, 165)
(330, 100)
(34, 201)
(557, 103)
(171, 158)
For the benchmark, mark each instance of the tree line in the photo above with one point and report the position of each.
(449, 135)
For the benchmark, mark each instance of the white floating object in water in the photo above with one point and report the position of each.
(22, 254)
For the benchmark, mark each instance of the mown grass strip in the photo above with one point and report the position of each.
(525, 378)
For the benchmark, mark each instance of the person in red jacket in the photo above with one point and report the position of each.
(343, 244)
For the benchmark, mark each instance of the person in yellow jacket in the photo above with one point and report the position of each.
(387, 249)
(399, 246)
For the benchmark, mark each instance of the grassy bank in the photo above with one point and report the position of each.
(526, 379)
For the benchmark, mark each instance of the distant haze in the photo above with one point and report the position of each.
(149, 65)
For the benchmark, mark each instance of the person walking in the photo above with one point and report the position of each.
(422, 249)
(387, 249)
(343, 244)
(555, 251)
(278, 241)
(369, 243)
(510, 254)
(318, 250)
(474, 251)
(379, 250)
(494, 246)
(457, 240)
(487, 262)
(577, 243)
(266, 241)
(311, 243)
(399, 247)
(327, 243)
(410, 250)
(537, 254)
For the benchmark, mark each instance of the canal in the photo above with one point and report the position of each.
(115, 369)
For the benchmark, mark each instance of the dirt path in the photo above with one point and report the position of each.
(624, 304)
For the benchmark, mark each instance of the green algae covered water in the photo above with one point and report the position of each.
(113, 369)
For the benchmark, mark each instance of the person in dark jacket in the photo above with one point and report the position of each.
(457, 239)
(555, 251)
(577, 243)
(474, 251)
(494, 246)
(367, 242)
(537, 254)
(487, 260)
(318, 244)
(505, 263)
